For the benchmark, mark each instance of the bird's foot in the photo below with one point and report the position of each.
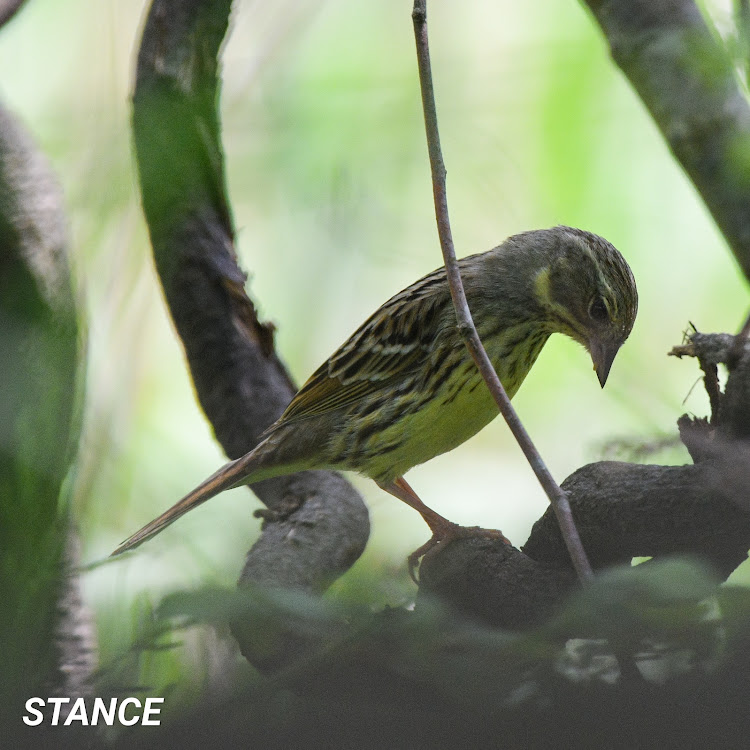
(443, 535)
(289, 504)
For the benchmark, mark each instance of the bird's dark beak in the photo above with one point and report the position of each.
(603, 354)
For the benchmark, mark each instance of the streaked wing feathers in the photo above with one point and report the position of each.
(393, 341)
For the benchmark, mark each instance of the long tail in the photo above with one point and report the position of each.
(233, 474)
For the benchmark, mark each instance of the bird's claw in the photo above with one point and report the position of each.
(443, 536)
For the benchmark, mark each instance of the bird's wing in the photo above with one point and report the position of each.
(394, 341)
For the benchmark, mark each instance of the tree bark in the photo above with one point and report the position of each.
(317, 524)
(686, 80)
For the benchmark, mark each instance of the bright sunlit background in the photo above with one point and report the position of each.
(329, 182)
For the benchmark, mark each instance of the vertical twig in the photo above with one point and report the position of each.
(466, 327)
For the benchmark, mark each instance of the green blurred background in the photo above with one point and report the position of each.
(329, 182)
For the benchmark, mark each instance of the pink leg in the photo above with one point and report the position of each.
(442, 529)
(400, 488)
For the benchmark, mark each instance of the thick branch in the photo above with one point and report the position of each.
(622, 511)
(241, 384)
(687, 82)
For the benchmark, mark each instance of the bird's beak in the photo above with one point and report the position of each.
(603, 354)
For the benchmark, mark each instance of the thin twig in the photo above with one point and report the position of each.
(466, 327)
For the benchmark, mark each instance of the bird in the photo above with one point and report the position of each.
(403, 388)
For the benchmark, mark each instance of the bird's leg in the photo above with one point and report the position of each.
(442, 529)
(400, 488)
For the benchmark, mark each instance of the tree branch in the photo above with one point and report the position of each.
(687, 82)
(320, 524)
(623, 511)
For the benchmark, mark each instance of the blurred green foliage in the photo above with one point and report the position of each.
(430, 679)
(40, 419)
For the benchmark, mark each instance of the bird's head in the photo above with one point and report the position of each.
(589, 294)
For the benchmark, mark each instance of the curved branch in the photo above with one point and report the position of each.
(320, 524)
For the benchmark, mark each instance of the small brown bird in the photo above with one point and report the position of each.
(404, 389)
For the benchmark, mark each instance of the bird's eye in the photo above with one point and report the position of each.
(598, 310)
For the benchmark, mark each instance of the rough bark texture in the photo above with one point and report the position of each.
(318, 525)
(622, 511)
(687, 82)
